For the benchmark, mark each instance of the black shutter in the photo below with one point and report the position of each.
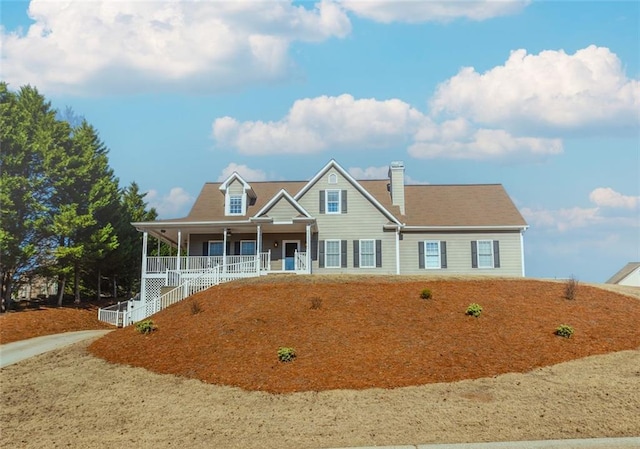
(420, 254)
(321, 253)
(443, 254)
(496, 254)
(236, 248)
(344, 201)
(356, 254)
(322, 202)
(378, 253)
(314, 246)
(205, 248)
(343, 253)
(474, 254)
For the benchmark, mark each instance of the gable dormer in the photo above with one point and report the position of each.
(238, 195)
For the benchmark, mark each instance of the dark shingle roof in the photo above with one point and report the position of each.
(425, 205)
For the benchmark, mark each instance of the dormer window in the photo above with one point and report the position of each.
(235, 205)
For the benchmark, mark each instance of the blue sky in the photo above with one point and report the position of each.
(543, 97)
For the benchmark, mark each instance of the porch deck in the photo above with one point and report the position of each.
(199, 264)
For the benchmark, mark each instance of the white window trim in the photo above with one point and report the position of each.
(243, 205)
(326, 201)
(326, 254)
(426, 255)
(485, 267)
(360, 264)
(255, 246)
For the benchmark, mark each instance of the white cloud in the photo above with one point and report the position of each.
(551, 90)
(562, 219)
(607, 197)
(170, 205)
(624, 214)
(378, 173)
(248, 174)
(344, 123)
(459, 139)
(101, 47)
(369, 172)
(317, 124)
(432, 11)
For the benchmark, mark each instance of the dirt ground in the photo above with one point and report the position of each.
(70, 398)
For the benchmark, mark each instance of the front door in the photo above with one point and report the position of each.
(290, 248)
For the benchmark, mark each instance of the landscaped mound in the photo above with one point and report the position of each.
(27, 323)
(354, 333)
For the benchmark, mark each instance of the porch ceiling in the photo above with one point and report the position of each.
(168, 232)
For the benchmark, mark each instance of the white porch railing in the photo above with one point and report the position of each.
(127, 313)
(301, 261)
(163, 264)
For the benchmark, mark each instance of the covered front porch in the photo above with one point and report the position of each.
(248, 247)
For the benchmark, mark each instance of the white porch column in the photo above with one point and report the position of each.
(143, 271)
(308, 248)
(398, 250)
(224, 250)
(178, 256)
(258, 248)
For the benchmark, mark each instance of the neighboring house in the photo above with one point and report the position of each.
(330, 224)
(628, 275)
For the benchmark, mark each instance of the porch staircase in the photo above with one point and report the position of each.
(129, 312)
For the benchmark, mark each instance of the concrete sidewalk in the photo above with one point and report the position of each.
(589, 443)
(11, 353)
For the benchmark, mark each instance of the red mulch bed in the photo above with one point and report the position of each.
(35, 322)
(376, 332)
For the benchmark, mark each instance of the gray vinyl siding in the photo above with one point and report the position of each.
(459, 253)
(235, 188)
(362, 220)
(282, 210)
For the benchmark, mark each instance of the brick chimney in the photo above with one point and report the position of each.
(396, 185)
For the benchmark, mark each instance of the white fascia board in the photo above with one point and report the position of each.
(465, 228)
(283, 194)
(186, 224)
(232, 176)
(352, 180)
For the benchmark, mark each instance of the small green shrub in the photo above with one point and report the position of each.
(564, 330)
(571, 288)
(286, 354)
(474, 309)
(146, 326)
(195, 308)
(426, 293)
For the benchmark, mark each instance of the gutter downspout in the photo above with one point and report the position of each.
(522, 250)
(398, 250)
